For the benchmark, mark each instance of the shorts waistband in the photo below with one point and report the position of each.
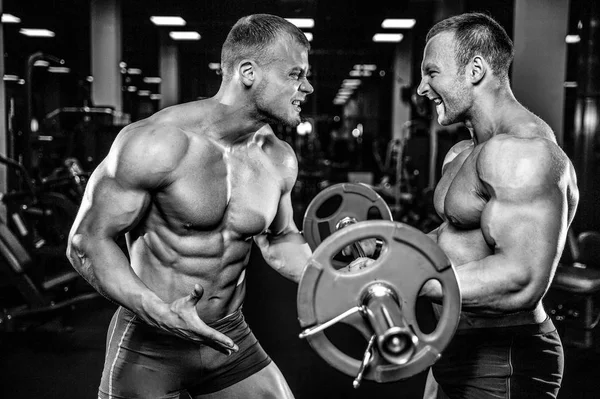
(545, 327)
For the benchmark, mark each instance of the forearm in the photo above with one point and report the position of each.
(287, 253)
(493, 285)
(102, 263)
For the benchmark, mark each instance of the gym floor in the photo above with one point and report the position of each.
(63, 358)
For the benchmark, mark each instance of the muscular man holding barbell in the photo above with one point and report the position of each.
(507, 198)
(191, 186)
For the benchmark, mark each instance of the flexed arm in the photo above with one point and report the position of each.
(283, 246)
(524, 222)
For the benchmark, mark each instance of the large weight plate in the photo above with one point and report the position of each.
(409, 258)
(355, 201)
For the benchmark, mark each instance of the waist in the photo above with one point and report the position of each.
(470, 320)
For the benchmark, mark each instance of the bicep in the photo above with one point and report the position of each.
(525, 230)
(111, 206)
(284, 218)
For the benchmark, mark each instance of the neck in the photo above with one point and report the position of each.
(491, 112)
(234, 117)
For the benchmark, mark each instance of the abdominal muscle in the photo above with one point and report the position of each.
(171, 271)
(464, 246)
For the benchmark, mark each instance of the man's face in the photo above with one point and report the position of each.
(284, 86)
(441, 81)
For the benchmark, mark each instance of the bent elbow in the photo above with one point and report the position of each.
(526, 292)
(75, 247)
(528, 297)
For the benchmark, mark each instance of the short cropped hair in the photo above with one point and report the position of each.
(252, 36)
(478, 33)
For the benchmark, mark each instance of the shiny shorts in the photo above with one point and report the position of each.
(509, 363)
(146, 362)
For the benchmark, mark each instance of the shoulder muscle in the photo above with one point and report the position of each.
(145, 155)
(520, 165)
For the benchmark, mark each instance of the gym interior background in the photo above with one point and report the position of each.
(103, 64)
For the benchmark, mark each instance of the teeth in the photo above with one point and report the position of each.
(437, 101)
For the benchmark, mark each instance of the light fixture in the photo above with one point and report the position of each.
(304, 128)
(167, 21)
(309, 36)
(10, 19)
(41, 63)
(398, 23)
(360, 72)
(214, 66)
(57, 69)
(144, 93)
(302, 23)
(351, 82)
(184, 35)
(155, 96)
(571, 39)
(134, 71)
(36, 32)
(11, 78)
(388, 37)
(152, 80)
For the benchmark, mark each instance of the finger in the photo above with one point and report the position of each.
(219, 341)
(196, 293)
(346, 251)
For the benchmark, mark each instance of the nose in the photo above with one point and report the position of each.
(423, 88)
(306, 87)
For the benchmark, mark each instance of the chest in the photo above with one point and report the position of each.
(460, 196)
(235, 191)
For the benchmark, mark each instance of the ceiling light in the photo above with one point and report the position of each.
(214, 66)
(185, 35)
(570, 39)
(351, 82)
(11, 78)
(168, 21)
(152, 80)
(303, 23)
(131, 89)
(155, 96)
(54, 69)
(144, 93)
(388, 37)
(36, 32)
(398, 23)
(41, 63)
(309, 36)
(10, 19)
(134, 71)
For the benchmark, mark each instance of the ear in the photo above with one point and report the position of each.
(248, 72)
(477, 69)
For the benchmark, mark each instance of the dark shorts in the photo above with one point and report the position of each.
(509, 363)
(145, 362)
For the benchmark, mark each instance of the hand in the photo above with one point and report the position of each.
(357, 264)
(369, 246)
(431, 289)
(182, 320)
